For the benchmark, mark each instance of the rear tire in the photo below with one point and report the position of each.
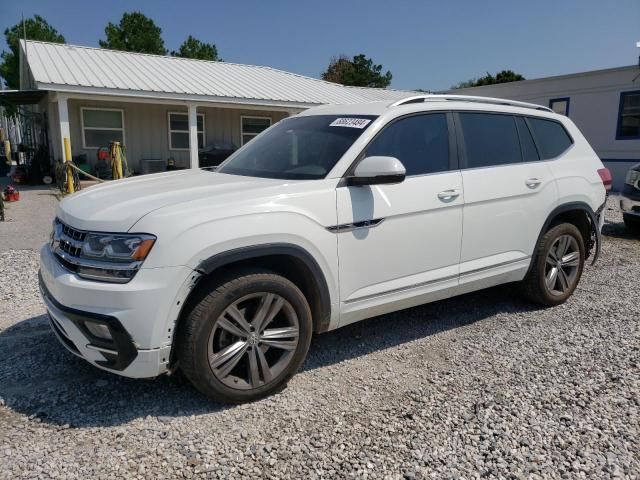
(245, 337)
(556, 267)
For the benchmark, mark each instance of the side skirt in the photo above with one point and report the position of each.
(396, 300)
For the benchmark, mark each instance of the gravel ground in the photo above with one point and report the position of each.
(479, 386)
(28, 221)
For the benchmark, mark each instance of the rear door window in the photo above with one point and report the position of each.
(551, 137)
(490, 139)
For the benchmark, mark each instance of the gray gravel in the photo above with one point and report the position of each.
(479, 386)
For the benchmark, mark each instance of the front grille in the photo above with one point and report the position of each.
(67, 242)
(71, 240)
(72, 232)
(70, 249)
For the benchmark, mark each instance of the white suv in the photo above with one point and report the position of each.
(332, 216)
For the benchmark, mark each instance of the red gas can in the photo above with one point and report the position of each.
(11, 194)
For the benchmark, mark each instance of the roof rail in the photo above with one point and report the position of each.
(468, 98)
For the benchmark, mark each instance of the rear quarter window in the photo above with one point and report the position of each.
(551, 137)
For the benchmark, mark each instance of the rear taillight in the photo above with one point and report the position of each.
(607, 180)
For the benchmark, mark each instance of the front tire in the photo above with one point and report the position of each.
(245, 337)
(556, 266)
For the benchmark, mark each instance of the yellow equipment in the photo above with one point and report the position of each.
(67, 161)
(119, 167)
(116, 160)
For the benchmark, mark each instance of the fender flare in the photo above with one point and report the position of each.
(211, 264)
(594, 222)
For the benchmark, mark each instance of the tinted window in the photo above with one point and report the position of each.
(529, 152)
(490, 139)
(551, 137)
(298, 148)
(420, 142)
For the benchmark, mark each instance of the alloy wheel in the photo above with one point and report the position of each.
(253, 340)
(561, 266)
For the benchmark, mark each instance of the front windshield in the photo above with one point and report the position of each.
(298, 148)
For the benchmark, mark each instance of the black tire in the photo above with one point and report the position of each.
(632, 223)
(205, 330)
(535, 285)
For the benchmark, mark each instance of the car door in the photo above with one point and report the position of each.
(399, 245)
(508, 193)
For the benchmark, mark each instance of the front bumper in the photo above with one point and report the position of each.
(139, 315)
(70, 326)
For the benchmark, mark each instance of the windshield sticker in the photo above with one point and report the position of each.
(350, 122)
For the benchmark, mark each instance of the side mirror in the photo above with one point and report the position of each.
(377, 171)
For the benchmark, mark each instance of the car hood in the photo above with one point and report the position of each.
(116, 206)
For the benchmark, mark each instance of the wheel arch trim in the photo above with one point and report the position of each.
(593, 217)
(219, 260)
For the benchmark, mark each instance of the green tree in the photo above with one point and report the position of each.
(36, 28)
(135, 33)
(194, 48)
(359, 71)
(505, 76)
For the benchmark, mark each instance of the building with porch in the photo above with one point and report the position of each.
(162, 107)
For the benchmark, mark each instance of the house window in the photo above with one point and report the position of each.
(560, 105)
(252, 126)
(101, 126)
(629, 116)
(179, 131)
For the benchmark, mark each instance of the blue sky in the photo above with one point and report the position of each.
(425, 44)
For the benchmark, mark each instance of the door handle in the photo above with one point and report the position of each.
(533, 182)
(448, 194)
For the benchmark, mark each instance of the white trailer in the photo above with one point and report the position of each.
(605, 104)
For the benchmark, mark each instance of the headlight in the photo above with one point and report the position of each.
(107, 257)
(113, 258)
(632, 178)
(117, 248)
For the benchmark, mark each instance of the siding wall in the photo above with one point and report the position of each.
(147, 129)
(593, 107)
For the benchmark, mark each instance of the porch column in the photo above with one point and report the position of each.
(63, 115)
(193, 136)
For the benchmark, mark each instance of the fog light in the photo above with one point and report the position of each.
(99, 330)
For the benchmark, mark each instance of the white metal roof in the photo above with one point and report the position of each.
(71, 68)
